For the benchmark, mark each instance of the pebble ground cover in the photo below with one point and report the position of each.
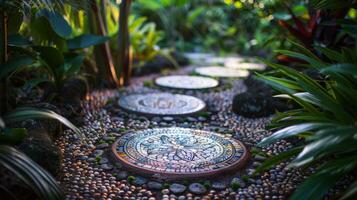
(90, 172)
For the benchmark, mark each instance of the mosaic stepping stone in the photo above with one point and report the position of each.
(215, 71)
(186, 82)
(162, 104)
(245, 66)
(178, 153)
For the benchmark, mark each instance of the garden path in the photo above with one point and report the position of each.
(89, 170)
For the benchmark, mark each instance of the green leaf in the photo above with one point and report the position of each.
(318, 184)
(351, 192)
(12, 136)
(85, 41)
(18, 40)
(330, 4)
(71, 66)
(327, 145)
(347, 69)
(13, 65)
(292, 131)
(2, 123)
(314, 62)
(33, 175)
(52, 56)
(57, 22)
(24, 113)
(331, 54)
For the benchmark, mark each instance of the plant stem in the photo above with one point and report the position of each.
(124, 57)
(104, 59)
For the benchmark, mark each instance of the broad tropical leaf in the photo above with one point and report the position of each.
(85, 41)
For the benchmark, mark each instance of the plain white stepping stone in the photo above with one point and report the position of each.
(224, 72)
(222, 60)
(186, 82)
(245, 66)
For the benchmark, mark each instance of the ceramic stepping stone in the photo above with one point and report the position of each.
(224, 72)
(222, 60)
(245, 66)
(186, 82)
(198, 56)
(162, 104)
(179, 153)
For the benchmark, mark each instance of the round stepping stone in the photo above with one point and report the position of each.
(222, 60)
(198, 56)
(215, 71)
(186, 82)
(245, 66)
(179, 153)
(162, 104)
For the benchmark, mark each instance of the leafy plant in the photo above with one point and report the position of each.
(23, 113)
(326, 120)
(33, 175)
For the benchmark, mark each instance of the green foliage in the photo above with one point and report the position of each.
(58, 24)
(332, 4)
(130, 179)
(226, 26)
(326, 120)
(144, 38)
(23, 113)
(85, 41)
(12, 135)
(235, 186)
(33, 175)
(13, 65)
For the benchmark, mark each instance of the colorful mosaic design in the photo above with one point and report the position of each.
(186, 82)
(162, 104)
(216, 71)
(179, 151)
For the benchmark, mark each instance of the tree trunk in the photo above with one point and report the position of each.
(124, 57)
(3, 59)
(104, 59)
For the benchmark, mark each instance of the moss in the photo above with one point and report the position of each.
(235, 186)
(245, 178)
(204, 114)
(130, 179)
(207, 184)
(149, 83)
(98, 159)
(166, 185)
(186, 182)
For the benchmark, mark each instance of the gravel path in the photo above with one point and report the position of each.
(89, 171)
